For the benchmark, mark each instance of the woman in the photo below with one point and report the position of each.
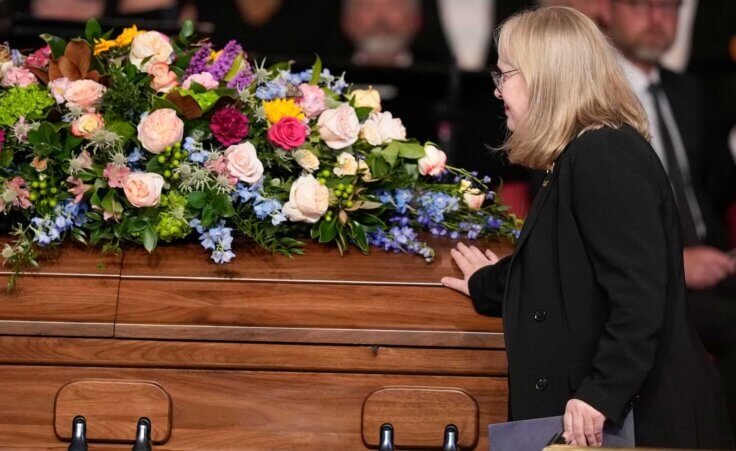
(593, 296)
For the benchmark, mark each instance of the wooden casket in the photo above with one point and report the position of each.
(315, 352)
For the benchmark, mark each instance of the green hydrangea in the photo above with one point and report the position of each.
(171, 223)
(206, 100)
(30, 102)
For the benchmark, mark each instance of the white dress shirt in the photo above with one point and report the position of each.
(640, 82)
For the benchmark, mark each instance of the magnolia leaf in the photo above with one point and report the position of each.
(56, 44)
(327, 231)
(187, 31)
(92, 30)
(391, 152)
(150, 238)
(410, 150)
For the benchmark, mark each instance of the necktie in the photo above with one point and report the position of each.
(689, 231)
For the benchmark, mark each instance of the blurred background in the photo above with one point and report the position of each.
(430, 59)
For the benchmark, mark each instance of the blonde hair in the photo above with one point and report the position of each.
(575, 83)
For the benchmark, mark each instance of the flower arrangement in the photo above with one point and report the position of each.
(147, 138)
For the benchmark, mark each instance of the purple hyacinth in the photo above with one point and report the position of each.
(223, 63)
(198, 63)
(242, 80)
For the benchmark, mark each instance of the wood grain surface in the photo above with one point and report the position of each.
(112, 409)
(419, 416)
(249, 356)
(223, 410)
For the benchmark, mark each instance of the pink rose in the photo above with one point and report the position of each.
(288, 133)
(312, 101)
(58, 88)
(433, 161)
(78, 188)
(474, 198)
(39, 165)
(18, 76)
(85, 95)
(243, 163)
(152, 47)
(163, 79)
(143, 189)
(308, 200)
(86, 124)
(204, 78)
(160, 129)
(339, 127)
(116, 175)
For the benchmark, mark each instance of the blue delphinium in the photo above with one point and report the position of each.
(197, 154)
(432, 207)
(263, 207)
(401, 239)
(271, 90)
(50, 228)
(217, 239)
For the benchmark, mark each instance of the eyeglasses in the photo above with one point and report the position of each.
(643, 6)
(499, 78)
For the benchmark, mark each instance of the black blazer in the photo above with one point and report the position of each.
(593, 299)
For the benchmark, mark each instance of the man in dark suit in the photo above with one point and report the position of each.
(643, 30)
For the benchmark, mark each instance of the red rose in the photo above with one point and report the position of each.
(288, 133)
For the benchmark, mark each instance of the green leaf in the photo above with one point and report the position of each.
(359, 236)
(187, 31)
(123, 128)
(327, 231)
(197, 88)
(92, 30)
(208, 215)
(379, 167)
(72, 142)
(391, 152)
(160, 102)
(410, 150)
(363, 112)
(6, 157)
(412, 170)
(150, 238)
(316, 71)
(108, 202)
(57, 45)
(222, 206)
(197, 199)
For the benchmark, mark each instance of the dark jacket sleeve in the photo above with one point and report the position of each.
(487, 285)
(617, 197)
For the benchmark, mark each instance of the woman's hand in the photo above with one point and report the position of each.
(583, 424)
(469, 260)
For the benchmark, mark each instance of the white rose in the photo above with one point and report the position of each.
(243, 163)
(381, 128)
(150, 44)
(366, 98)
(433, 161)
(308, 200)
(347, 165)
(474, 198)
(365, 171)
(307, 160)
(339, 127)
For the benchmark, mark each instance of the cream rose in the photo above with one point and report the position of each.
(84, 94)
(306, 159)
(87, 124)
(381, 128)
(346, 165)
(152, 45)
(339, 127)
(143, 189)
(160, 129)
(243, 163)
(308, 200)
(474, 198)
(433, 161)
(366, 98)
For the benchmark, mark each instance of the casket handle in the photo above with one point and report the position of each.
(451, 438)
(386, 440)
(143, 435)
(79, 434)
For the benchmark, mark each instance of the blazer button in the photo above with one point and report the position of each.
(541, 384)
(540, 315)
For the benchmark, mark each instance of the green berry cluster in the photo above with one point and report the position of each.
(171, 223)
(47, 192)
(170, 159)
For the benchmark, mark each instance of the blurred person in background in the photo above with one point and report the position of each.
(643, 30)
